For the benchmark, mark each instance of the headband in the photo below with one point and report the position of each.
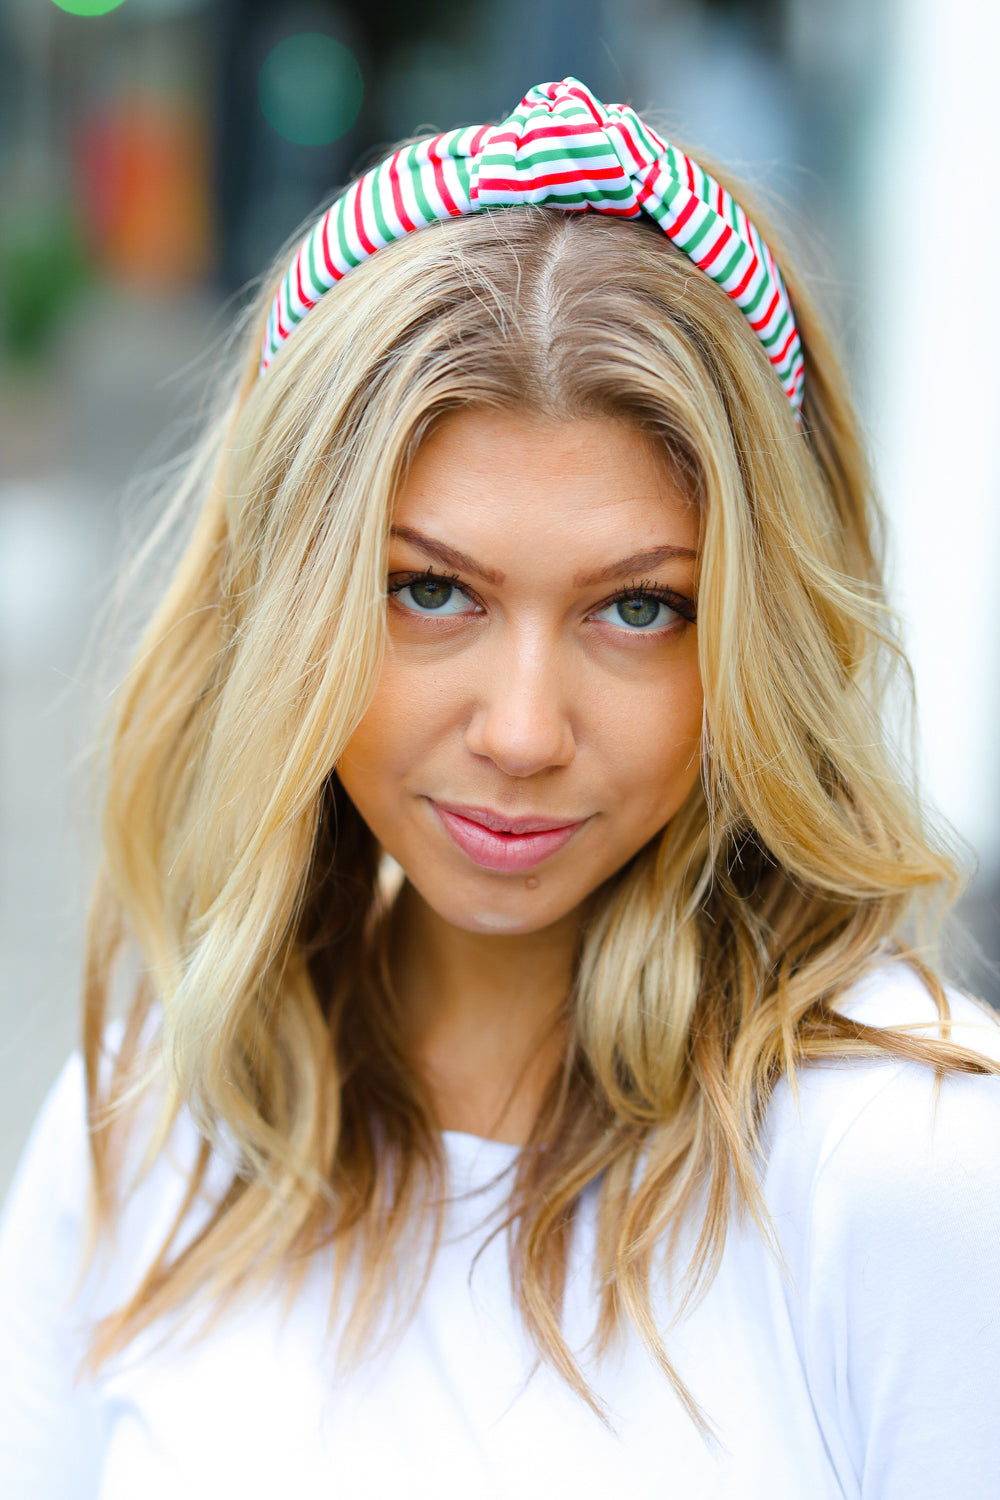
(564, 148)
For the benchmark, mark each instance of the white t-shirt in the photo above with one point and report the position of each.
(868, 1367)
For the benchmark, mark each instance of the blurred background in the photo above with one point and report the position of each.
(154, 154)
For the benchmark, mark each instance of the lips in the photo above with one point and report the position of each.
(497, 841)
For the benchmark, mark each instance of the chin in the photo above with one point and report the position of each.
(497, 921)
(514, 911)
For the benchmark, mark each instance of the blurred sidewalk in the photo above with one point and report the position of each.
(68, 444)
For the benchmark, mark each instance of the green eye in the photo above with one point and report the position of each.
(642, 610)
(431, 593)
(639, 612)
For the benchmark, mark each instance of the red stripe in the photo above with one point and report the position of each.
(684, 215)
(759, 323)
(551, 129)
(476, 144)
(738, 291)
(626, 134)
(359, 225)
(777, 358)
(334, 271)
(588, 103)
(551, 179)
(283, 329)
(724, 238)
(397, 194)
(660, 144)
(648, 179)
(327, 258)
(307, 302)
(720, 207)
(435, 160)
(690, 172)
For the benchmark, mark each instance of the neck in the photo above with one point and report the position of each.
(485, 1015)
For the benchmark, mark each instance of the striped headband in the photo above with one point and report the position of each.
(561, 147)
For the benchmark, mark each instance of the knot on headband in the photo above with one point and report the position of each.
(563, 148)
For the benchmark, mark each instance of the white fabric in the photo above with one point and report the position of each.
(870, 1370)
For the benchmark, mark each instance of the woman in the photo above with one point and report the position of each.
(527, 1085)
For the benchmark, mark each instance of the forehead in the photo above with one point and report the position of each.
(540, 490)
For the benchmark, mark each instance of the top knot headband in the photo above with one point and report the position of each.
(563, 147)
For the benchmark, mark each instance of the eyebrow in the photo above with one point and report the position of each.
(636, 562)
(450, 556)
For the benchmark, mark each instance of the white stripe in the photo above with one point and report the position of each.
(740, 269)
(315, 244)
(382, 188)
(346, 219)
(407, 175)
(368, 189)
(431, 193)
(454, 184)
(293, 299)
(780, 307)
(330, 229)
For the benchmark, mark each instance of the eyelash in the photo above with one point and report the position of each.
(403, 581)
(642, 588)
(646, 589)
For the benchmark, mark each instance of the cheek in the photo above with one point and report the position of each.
(370, 759)
(407, 717)
(653, 747)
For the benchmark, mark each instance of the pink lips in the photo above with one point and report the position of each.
(495, 841)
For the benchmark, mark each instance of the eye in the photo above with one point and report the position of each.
(428, 594)
(638, 611)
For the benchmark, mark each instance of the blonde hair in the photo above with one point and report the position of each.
(710, 964)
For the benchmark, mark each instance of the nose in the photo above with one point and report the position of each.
(520, 719)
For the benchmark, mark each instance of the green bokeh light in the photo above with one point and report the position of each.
(88, 7)
(310, 89)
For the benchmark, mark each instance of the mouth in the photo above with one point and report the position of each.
(498, 841)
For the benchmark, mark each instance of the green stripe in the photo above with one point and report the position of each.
(640, 131)
(694, 239)
(319, 287)
(380, 219)
(773, 338)
(416, 178)
(535, 155)
(566, 195)
(731, 264)
(346, 252)
(464, 171)
(450, 144)
(290, 312)
(749, 308)
(673, 188)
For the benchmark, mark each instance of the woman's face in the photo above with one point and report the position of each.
(539, 712)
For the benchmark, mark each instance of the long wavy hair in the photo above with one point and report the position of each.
(238, 869)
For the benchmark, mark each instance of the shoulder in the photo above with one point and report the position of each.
(878, 1147)
(883, 1187)
(817, 1116)
(52, 1179)
(894, 994)
(46, 1229)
